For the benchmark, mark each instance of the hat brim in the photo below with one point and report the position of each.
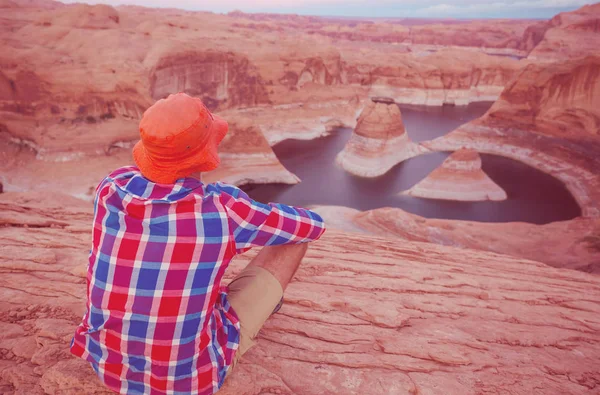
(206, 159)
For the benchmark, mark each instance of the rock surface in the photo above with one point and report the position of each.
(573, 244)
(558, 99)
(547, 118)
(378, 142)
(414, 32)
(363, 315)
(247, 157)
(567, 35)
(460, 178)
(454, 76)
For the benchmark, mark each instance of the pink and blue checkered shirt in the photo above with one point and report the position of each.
(158, 320)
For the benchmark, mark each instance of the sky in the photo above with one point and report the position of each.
(373, 8)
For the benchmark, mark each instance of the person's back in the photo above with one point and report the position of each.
(158, 319)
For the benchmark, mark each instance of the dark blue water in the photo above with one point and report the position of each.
(533, 196)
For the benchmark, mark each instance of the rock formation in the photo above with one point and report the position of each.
(446, 76)
(378, 142)
(461, 178)
(502, 34)
(246, 157)
(71, 93)
(84, 16)
(221, 80)
(567, 35)
(547, 118)
(573, 244)
(558, 99)
(362, 313)
(70, 87)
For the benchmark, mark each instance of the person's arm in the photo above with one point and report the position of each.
(255, 224)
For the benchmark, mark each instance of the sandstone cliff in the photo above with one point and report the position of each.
(245, 157)
(461, 178)
(363, 315)
(557, 99)
(567, 35)
(378, 142)
(220, 79)
(446, 76)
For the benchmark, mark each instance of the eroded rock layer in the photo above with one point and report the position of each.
(362, 313)
(567, 35)
(573, 244)
(247, 157)
(461, 178)
(221, 80)
(378, 142)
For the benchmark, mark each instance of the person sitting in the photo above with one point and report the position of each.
(158, 318)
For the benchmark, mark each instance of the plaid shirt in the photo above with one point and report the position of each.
(158, 320)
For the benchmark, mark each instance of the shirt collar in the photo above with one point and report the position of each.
(131, 181)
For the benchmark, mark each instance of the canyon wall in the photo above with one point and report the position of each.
(560, 99)
(448, 76)
(221, 80)
(567, 35)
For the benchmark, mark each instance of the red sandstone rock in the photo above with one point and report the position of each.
(559, 99)
(363, 314)
(220, 79)
(502, 34)
(573, 244)
(246, 157)
(82, 16)
(461, 178)
(445, 76)
(378, 142)
(568, 35)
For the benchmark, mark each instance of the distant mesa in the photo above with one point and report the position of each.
(460, 178)
(82, 16)
(378, 142)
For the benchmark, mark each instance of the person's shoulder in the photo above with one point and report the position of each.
(221, 188)
(124, 172)
(118, 176)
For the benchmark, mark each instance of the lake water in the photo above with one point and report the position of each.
(533, 196)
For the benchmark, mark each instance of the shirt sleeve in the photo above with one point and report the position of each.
(254, 224)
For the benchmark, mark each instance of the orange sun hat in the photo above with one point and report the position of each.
(179, 137)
